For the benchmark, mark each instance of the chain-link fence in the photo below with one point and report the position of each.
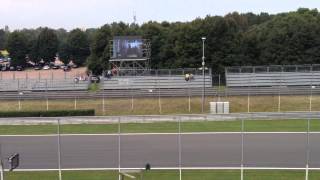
(176, 147)
(154, 99)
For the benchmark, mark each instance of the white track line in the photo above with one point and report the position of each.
(167, 168)
(145, 134)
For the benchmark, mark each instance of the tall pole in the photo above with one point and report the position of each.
(47, 100)
(311, 92)
(59, 151)
(279, 96)
(308, 131)
(132, 102)
(103, 97)
(75, 97)
(248, 99)
(189, 94)
(19, 101)
(159, 96)
(203, 74)
(219, 89)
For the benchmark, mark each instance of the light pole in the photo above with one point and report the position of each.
(203, 73)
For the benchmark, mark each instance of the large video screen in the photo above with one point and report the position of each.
(126, 47)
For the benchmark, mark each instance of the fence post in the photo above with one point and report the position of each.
(219, 88)
(19, 101)
(75, 96)
(103, 97)
(248, 100)
(1, 165)
(189, 94)
(59, 151)
(180, 148)
(119, 147)
(47, 99)
(311, 90)
(242, 147)
(132, 100)
(159, 95)
(308, 150)
(279, 95)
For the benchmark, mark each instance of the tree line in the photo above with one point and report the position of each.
(232, 40)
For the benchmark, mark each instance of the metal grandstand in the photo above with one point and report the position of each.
(286, 75)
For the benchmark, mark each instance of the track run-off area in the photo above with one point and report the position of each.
(161, 150)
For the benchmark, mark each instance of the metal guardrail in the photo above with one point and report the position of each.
(162, 118)
(163, 72)
(155, 82)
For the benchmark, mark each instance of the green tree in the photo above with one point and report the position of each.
(96, 65)
(100, 50)
(78, 46)
(18, 48)
(47, 45)
(64, 52)
(2, 39)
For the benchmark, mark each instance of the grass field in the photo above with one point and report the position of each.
(166, 127)
(174, 105)
(169, 175)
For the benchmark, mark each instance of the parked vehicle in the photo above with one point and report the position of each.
(12, 68)
(94, 79)
(62, 66)
(20, 68)
(46, 67)
(55, 67)
(67, 68)
(37, 67)
(4, 68)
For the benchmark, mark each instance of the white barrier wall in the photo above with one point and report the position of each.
(273, 79)
(154, 82)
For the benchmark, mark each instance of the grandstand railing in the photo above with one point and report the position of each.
(288, 75)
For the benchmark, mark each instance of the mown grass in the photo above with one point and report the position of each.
(169, 105)
(168, 175)
(166, 127)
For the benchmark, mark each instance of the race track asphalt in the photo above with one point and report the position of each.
(162, 150)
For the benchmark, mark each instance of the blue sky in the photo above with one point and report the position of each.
(70, 14)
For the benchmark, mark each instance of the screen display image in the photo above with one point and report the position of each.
(127, 48)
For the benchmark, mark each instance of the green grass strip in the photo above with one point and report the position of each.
(166, 127)
(169, 175)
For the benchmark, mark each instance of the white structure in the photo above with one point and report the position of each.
(219, 107)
